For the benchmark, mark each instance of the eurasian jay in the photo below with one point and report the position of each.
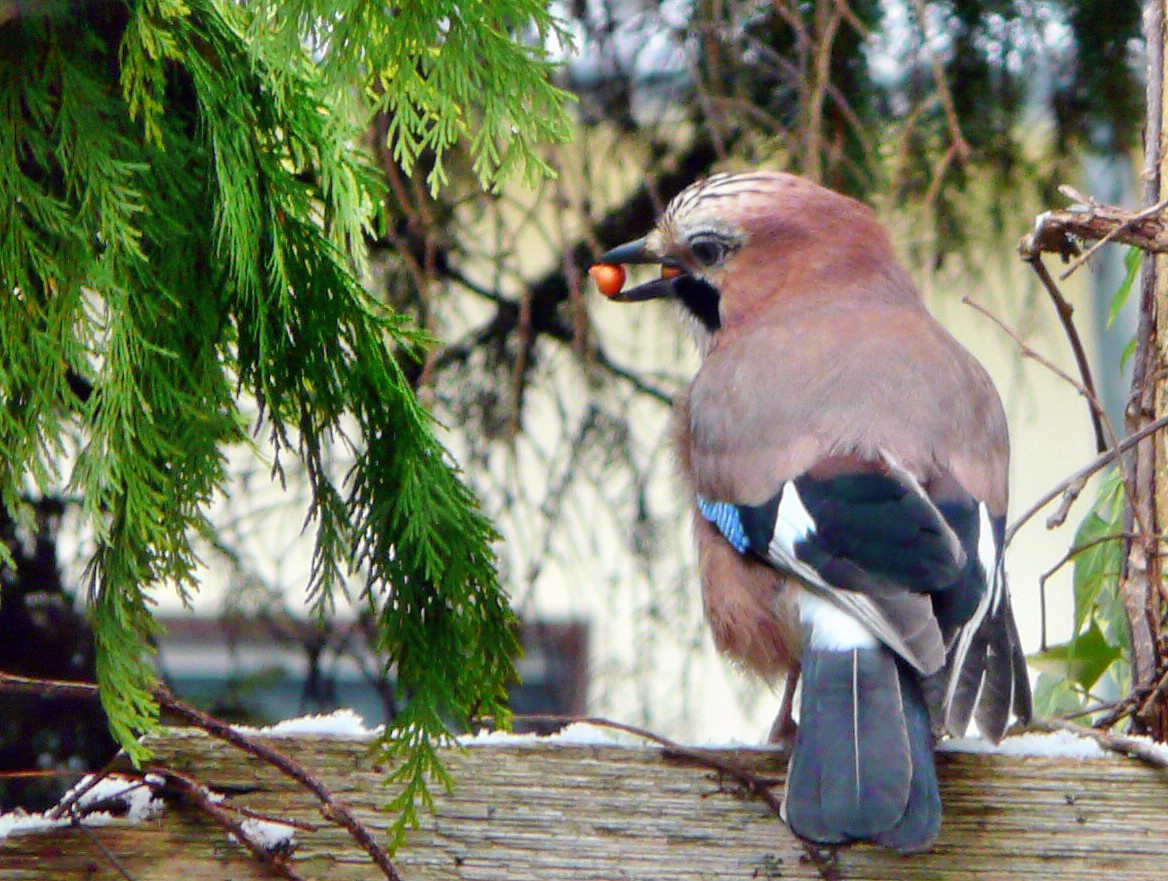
(848, 460)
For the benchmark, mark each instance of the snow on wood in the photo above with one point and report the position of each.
(343, 723)
(587, 811)
(1053, 744)
(113, 799)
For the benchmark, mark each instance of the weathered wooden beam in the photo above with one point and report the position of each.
(552, 811)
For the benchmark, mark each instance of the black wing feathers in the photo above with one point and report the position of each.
(868, 526)
(954, 607)
(875, 522)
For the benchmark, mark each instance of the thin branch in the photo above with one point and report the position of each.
(1071, 487)
(40, 773)
(76, 816)
(601, 360)
(1143, 574)
(1066, 317)
(198, 794)
(819, 75)
(1094, 708)
(955, 134)
(938, 176)
(105, 851)
(1056, 232)
(1153, 695)
(1122, 227)
(13, 683)
(67, 804)
(1062, 561)
(1097, 410)
(332, 808)
(253, 814)
(567, 335)
(852, 19)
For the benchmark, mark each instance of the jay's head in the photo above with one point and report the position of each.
(732, 245)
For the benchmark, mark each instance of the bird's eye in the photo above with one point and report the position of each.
(708, 251)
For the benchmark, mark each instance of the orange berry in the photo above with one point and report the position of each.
(609, 277)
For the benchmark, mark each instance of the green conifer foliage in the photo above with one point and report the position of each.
(182, 227)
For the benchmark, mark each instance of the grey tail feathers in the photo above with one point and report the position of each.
(988, 680)
(862, 767)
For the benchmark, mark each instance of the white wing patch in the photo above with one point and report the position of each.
(988, 557)
(831, 628)
(993, 566)
(793, 523)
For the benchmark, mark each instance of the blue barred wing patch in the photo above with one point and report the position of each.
(726, 517)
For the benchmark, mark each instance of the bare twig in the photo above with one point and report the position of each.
(105, 851)
(1153, 695)
(12, 683)
(268, 818)
(1071, 487)
(760, 786)
(960, 146)
(595, 354)
(67, 804)
(852, 19)
(198, 794)
(332, 808)
(1062, 561)
(1142, 576)
(1119, 228)
(1094, 708)
(1098, 412)
(77, 815)
(33, 774)
(1056, 232)
(1066, 317)
(827, 23)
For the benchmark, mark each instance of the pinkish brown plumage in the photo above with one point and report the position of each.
(751, 609)
(847, 460)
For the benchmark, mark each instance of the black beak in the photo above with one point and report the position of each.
(630, 252)
(635, 252)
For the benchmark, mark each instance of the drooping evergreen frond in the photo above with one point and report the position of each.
(186, 216)
(444, 71)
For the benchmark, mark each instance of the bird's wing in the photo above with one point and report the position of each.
(867, 538)
(986, 677)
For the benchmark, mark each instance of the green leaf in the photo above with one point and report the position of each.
(1128, 351)
(1099, 564)
(1133, 260)
(1082, 661)
(1055, 696)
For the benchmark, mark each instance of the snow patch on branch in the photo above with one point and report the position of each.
(113, 799)
(270, 836)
